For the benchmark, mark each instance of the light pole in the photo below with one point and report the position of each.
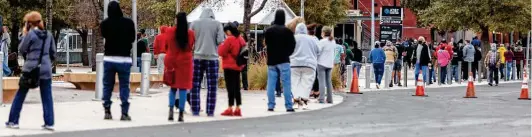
(372, 23)
(134, 67)
(302, 12)
(177, 7)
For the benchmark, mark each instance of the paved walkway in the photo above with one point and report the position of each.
(74, 110)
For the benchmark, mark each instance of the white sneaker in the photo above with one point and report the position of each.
(49, 128)
(12, 125)
(305, 107)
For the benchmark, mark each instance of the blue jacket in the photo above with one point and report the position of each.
(377, 55)
(30, 48)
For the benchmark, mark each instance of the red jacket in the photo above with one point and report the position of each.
(159, 44)
(180, 60)
(229, 50)
(448, 48)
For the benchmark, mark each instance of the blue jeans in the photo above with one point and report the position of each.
(110, 69)
(356, 65)
(7, 71)
(46, 98)
(509, 70)
(139, 63)
(182, 98)
(432, 74)
(443, 74)
(454, 72)
(425, 70)
(378, 69)
(284, 74)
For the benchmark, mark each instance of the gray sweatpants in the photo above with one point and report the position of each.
(325, 82)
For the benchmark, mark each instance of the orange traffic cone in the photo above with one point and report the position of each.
(420, 89)
(470, 91)
(524, 88)
(354, 83)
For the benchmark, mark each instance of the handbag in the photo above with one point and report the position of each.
(169, 77)
(31, 79)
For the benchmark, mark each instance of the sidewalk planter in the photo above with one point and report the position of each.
(86, 81)
(10, 85)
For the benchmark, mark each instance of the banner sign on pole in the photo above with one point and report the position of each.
(391, 23)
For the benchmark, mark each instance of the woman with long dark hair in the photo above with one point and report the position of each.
(179, 63)
(229, 51)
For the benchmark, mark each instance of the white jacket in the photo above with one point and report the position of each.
(306, 50)
(326, 55)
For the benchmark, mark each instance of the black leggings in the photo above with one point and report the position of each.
(232, 83)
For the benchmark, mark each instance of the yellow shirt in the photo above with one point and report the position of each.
(501, 51)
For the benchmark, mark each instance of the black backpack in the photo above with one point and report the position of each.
(243, 56)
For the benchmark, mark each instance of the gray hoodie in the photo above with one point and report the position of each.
(30, 48)
(306, 50)
(208, 34)
(469, 53)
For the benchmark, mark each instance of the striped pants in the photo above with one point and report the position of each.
(210, 67)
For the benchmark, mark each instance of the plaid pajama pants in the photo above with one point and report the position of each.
(210, 67)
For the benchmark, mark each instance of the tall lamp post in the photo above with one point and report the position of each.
(372, 24)
(134, 67)
(302, 10)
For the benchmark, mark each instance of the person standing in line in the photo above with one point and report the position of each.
(339, 54)
(244, 72)
(229, 51)
(443, 61)
(509, 57)
(5, 41)
(433, 64)
(398, 65)
(326, 60)
(159, 48)
(303, 63)
(391, 57)
(457, 56)
(377, 57)
(208, 34)
(478, 58)
(357, 58)
(142, 47)
(492, 61)
(519, 56)
(119, 34)
(42, 53)
(316, 85)
(281, 44)
(501, 51)
(469, 57)
(422, 57)
(179, 64)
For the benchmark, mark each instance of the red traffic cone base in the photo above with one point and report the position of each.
(354, 84)
(470, 91)
(524, 88)
(420, 88)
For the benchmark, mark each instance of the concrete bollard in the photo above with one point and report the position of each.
(449, 74)
(367, 76)
(349, 77)
(405, 75)
(514, 70)
(68, 59)
(1, 78)
(160, 63)
(479, 72)
(459, 72)
(522, 70)
(145, 74)
(99, 77)
(438, 75)
(387, 76)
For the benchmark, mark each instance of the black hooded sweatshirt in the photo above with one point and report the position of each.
(118, 31)
(279, 40)
(357, 53)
